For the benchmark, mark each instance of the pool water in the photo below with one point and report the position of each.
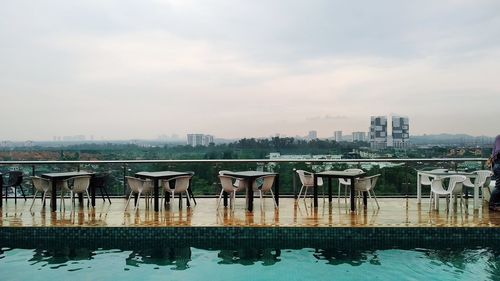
(189, 263)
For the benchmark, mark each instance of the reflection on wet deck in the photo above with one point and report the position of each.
(393, 212)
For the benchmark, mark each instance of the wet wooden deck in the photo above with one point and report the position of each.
(393, 212)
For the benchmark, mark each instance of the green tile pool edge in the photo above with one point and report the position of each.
(284, 237)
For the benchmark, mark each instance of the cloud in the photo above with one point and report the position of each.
(139, 69)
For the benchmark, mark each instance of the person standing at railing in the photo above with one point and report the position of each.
(495, 164)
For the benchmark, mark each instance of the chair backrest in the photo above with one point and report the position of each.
(267, 183)
(80, 184)
(99, 180)
(483, 177)
(138, 185)
(348, 182)
(15, 178)
(40, 184)
(455, 186)
(227, 184)
(181, 183)
(307, 178)
(366, 183)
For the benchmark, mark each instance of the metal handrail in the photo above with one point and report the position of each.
(146, 161)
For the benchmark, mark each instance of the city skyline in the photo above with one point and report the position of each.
(139, 70)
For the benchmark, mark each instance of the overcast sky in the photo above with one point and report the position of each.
(138, 69)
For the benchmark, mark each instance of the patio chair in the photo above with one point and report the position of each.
(307, 180)
(367, 184)
(346, 183)
(482, 179)
(79, 184)
(40, 185)
(228, 187)
(99, 181)
(14, 181)
(455, 188)
(139, 186)
(181, 185)
(267, 185)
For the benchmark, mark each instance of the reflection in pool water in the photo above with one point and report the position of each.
(189, 263)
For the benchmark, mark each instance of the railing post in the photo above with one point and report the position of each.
(124, 179)
(294, 171)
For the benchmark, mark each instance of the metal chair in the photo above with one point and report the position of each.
(346, 184)
(307, 180)
(367, 185)
(267, 185)
(139, 186)
(40, 185)
(181, 185)
(99, 181)
(15, 180)
(228, 187)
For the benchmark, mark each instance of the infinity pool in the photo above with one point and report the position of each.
(191, 263)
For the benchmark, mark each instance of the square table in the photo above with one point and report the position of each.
(250, 177)
(55, 177)
(337, 174)
(437, 175)
(156, 177)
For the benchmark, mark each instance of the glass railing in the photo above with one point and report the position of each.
(398, 177)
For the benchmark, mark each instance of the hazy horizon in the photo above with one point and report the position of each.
(137, 70)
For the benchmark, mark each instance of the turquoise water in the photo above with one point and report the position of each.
(190, 263)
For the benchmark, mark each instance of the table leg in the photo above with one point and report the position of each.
(53, 197)
(353, 195)
(277, 190)
(156, 192)
(92, 195)
(224, 195)
(250, 195)
(330, 190)
(475, 203)
(419, 189)
(365, 198)
(315, 191)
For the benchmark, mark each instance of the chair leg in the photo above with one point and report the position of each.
(88, 198)
(220, 198)
(128, 201)
(138, 200)
(305, 193)
(274, 201)
(375, 197)
(34, 197)
(300, 192)
(107, 195)
(43, 198)
(22, 192)
(188, 196)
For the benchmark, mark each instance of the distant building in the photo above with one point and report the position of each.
(337, 136)
(312, 135)
(378, 132)
(400, 132)
(358, 136)
(199, 139)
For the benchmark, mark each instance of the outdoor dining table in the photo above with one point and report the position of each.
(437, 175)
(156, 177)
(250, 177)
(337, 174)
(55, 177)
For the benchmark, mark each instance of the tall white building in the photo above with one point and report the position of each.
(312, 135)
(400, 132)
(199, 139)
(337, 135)
(358, 136)
(378, 132)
